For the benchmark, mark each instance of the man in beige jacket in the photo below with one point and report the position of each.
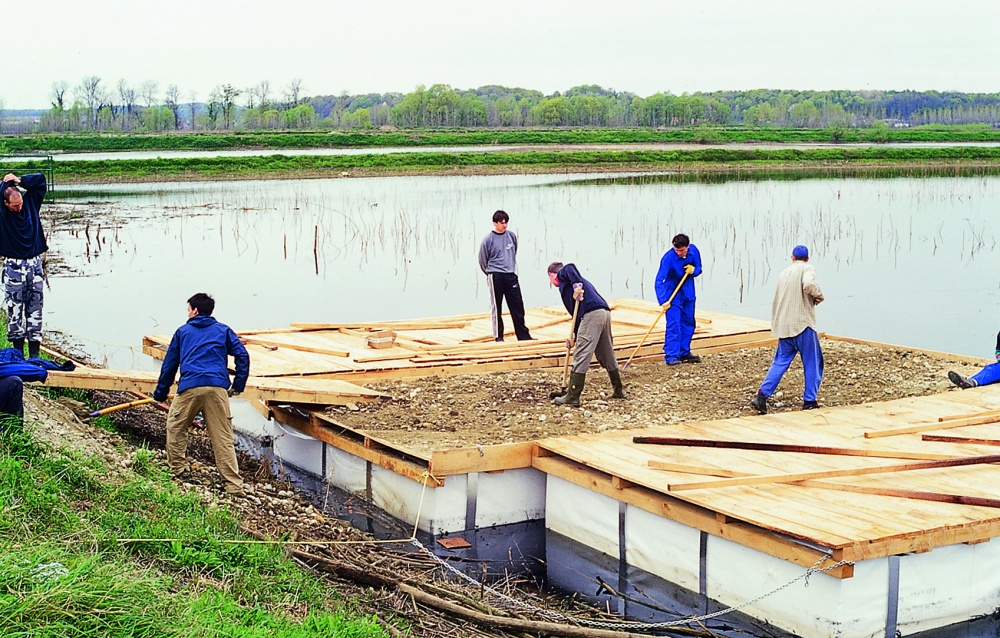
(793, 322)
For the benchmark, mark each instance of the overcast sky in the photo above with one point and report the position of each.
(643, 46)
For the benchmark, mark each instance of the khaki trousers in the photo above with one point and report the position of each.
(213, 403)
(593, 337)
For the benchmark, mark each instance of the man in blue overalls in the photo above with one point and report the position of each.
(682, 259)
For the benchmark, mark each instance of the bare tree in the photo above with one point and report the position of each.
(193, 105)
(294, 92)
(91, 93)
(58, 94)
(148, 92)
(127, 96)
(264, 94)
(172, 99)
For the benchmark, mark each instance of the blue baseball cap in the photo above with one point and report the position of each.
(800, 252)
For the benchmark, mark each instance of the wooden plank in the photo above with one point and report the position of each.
(284, 389)
(403, 467)
(486, 458)
(980, 415)
(272, 343)
(937, 425)
(842, 487)
(792, 478)
(959, 439)
(787, 447)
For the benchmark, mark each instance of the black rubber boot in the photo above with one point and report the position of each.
(573, 392)
(18, 344)
(34, 347)
(616, 382)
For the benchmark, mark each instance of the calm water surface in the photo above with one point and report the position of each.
(909, 261)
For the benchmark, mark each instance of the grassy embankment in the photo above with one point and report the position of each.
(745, 162)
(65, 570)
(84, 142)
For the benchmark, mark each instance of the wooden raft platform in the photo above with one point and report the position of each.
(861, 482)
(464, 344)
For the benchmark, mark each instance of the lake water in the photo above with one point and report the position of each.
(903, 260)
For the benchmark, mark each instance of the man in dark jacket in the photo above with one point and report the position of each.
(22, 243)
(592, 329)
(201, 349)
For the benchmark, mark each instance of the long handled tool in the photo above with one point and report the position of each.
(121, 406)
(570, 342)
(655, 321)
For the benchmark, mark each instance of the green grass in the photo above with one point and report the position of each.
(684, 159)
(63, 571)
(84, 142)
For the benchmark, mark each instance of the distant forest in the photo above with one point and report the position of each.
(94, 106)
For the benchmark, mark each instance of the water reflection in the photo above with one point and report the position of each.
(904, 260)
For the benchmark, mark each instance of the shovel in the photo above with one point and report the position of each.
(655, 321)
(570, 342)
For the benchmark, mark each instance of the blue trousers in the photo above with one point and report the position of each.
(806, 345)
(989, 374)
(680, 329)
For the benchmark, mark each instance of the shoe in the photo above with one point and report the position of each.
(185, 476)
(960, 381)
(673, 362)
(809, 405)
(690, 358)
(759, 403)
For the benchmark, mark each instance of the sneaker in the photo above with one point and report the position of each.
(759, 403)
(690, 358)
(673, 362)
(961, 381)
(809, 405)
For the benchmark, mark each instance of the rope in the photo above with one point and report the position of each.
(637, 626)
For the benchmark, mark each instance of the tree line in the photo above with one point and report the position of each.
(93, 105)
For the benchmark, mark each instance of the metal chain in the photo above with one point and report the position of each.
(635, 625)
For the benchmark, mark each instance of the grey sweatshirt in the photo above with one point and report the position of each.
(498, 253)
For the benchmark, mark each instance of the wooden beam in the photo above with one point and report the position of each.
(939, 425)
(271, 343)
(940, 438)
(938, 497)
(978, 415)
(788, 447)
(803, 476)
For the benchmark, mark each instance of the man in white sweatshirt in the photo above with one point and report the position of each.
(793, 322)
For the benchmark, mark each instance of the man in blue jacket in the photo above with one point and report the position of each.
(682, 259)
(22, 243)
(201, 349)
(592, 329)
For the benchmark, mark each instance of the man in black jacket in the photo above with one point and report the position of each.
(22, 243)
(592, 330)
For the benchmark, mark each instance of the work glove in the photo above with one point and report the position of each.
(688, 269)
(665, 306)
(578, 292)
